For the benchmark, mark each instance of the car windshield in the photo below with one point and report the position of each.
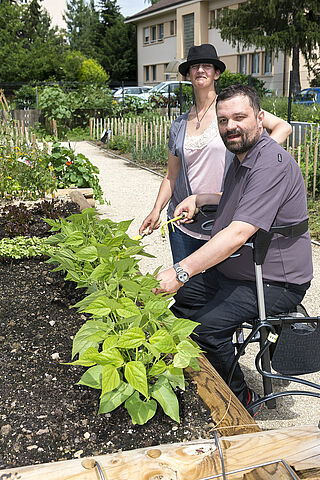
(157, 87)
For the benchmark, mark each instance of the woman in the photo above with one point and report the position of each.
(197, 158)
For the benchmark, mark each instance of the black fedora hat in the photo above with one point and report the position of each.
(205, 53)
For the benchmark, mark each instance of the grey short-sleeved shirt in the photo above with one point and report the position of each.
(267, 189)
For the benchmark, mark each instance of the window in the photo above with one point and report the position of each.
(212, 18)
(147, 73)
(172, 27)
(243, 64)
(160, 31)
(255, 63)
(154, 73)
(146, 35)
(153, 33)
(268, 62)
(188, 33)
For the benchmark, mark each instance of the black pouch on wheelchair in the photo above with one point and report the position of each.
(204, 220)
(297, 350)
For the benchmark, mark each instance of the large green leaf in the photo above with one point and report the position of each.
(106, 357)
(157, 368)
(110, 379)
(140, 411)
(135, 374)
(101, 307)
(182, 328)
(175, 377)
(100, 272)
(75, 239)
(164, 394)
(132, 338)
(163, 341)
(92, 377)
(130, 287)
(109, 342)
(89, 254)
(127, 308)
(89, 335)
(111, 400)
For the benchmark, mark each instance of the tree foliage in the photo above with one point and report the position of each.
(290, 26)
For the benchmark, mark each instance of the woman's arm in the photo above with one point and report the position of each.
(277, 128)
(164, 195)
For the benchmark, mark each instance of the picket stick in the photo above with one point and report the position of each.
(307, 168)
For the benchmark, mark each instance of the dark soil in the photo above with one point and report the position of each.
(44, 415)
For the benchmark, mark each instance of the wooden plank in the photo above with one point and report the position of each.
(299, 447)
(275, 471)
(229, 415)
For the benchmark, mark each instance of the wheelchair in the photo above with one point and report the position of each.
(290, 342)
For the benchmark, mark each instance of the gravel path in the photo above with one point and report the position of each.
(130, 193)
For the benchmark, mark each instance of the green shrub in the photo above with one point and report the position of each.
(25, 97)
(133, 347)
(74, 169)
(124, 145)
(92, 72)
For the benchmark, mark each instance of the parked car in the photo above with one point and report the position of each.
(163, 87)
(139, 92)
(308, 96)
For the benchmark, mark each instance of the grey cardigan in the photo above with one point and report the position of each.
(182, 187)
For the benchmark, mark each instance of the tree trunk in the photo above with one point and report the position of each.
(296, 85)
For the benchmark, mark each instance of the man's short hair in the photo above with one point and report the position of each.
(245, 91)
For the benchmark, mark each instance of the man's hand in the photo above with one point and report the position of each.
(188, 206)
(168, 282)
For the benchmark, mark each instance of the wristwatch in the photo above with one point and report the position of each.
(182, 275)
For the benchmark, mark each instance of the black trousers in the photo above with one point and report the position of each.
(221, 305)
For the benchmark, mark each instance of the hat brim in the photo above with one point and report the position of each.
(184, 67)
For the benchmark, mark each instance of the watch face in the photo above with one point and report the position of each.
(183, 277)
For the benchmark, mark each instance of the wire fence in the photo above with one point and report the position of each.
(302, 144)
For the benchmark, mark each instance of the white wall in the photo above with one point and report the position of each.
(56, 9)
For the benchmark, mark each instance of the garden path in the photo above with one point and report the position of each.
(130, 193)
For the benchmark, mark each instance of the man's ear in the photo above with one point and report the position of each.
(260, 117)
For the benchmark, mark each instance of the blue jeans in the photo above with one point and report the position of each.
(182, 245)
(221, 305)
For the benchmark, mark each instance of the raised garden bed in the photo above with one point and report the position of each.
(44, 415)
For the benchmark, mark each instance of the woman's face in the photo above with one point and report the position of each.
(203, 75)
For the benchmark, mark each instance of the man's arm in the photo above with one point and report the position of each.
(217, 249)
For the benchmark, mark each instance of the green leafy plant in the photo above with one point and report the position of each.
(25, 172)
(134, 348)
(74, 169)
(21, 247)
(118, 142)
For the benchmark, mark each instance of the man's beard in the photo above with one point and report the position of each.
(244, 143)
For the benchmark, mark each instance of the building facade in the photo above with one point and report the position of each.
(167, 29)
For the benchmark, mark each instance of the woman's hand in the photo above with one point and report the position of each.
(187, 206)
(151, 222)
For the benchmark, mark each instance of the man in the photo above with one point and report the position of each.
(263, 187)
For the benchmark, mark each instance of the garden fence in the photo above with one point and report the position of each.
(141, 132)
(15, 134)
(303, 143)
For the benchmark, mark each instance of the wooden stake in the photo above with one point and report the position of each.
(307, 168)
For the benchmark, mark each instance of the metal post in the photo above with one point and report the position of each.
(180, 95)
(169, 101)
(265, 360)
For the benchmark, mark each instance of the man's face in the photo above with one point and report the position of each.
(239, 126)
